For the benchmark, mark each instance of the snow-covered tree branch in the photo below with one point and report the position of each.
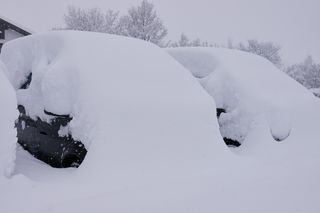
(268, 50)
(141, 22)
(307, 73)
(91, 20)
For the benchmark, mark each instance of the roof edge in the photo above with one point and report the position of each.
(19, 26)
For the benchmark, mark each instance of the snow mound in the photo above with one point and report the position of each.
(145, 121)
(8, 114)
(151, 130)
(246, 86)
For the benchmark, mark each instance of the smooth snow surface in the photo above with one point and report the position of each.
(246, 86)
(147, 124)
(152, 135)
(8, 114)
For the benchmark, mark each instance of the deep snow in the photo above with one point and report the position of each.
(152, 134)
(8, 114)
(246, 86)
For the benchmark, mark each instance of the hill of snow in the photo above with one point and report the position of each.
(152, 134)
(147, 124)
(246, 86)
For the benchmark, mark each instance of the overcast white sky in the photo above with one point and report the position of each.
(294, 24)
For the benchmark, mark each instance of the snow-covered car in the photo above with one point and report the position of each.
(141, 116)
(41, 138)
(244, 87)
(151, 130)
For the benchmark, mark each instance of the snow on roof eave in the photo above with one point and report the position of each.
(17, 25)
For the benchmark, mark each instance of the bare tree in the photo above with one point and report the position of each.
(79, 19)
(91, 20)
(143, 22)
(112, 22)
(307, 73)
(267, 50)
(183, 41)
(196, 43)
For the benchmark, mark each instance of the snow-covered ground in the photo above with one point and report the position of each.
(8, 114)
(151, 131)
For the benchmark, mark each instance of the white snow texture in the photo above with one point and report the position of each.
(246, 86)
(151, 131)
(8, 114)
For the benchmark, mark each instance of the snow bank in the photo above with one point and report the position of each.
(246, 86)
(102, 82)
(146, 122)
(151, 131)
(8, 114)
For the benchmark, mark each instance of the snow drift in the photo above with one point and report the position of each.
(152, 135)
(246, 86)
(143, 118)
(8, 114)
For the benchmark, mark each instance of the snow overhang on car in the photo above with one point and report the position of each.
(42, 139)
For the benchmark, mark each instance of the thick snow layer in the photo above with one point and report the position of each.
(246, 86)
(152, 136)
(146, 122)
(8, 114)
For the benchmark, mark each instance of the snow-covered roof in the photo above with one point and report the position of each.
(15, 26)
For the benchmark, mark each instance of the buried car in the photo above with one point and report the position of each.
(151, 134)
(245, 87)
(43, 141)
(65, 95)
